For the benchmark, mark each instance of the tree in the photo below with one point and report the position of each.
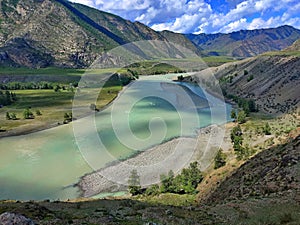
(267, 129)
(68, 117)
(180, 78)
(13, 116)
(8, 116)
(27, 114)
(233, 114)
(38, 112)
(250, 78)
(220, 159)
(152, 190)
(252, 106)
(237, 138)
(167, 182)
(93, 107)
(241, 117)
(56, 88)
(134, 184)
(188, 180)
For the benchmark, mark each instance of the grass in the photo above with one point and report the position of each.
(41, 71)
(218, 59)
(52, 105)
(169, 199)
(282, 53)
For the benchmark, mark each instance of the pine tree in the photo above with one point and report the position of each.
(220, 159)
(134, 184)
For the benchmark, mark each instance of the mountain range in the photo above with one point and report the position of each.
(246, 43)
(43, 33)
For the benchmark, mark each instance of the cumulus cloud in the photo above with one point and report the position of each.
(201, 16)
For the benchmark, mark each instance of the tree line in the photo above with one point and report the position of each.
(7, 98)
(37, 85)
(184, 183)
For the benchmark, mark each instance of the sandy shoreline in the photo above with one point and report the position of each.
(171, 155)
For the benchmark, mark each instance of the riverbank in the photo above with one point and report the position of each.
(52, 116)
(113, 178)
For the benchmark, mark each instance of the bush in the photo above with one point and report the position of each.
(241, 117)
(134, 185)
(220, 159)
(267, 129)
(180, 78)
(184, 183)
(93, 107)
(13, 116)
(250, 78)
(152, 190)
(27, 114)
(68, 117)
(8, 116)
(38, 112)
(233, 114)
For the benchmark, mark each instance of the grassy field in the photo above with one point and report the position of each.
(41, 71)
(53, 105)
(282, 53)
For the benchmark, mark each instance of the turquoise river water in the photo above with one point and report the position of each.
(46, 164)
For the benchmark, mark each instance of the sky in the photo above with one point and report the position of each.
(204, 16)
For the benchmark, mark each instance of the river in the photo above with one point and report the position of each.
(46, 164)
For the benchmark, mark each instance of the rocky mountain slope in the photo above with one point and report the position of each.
(63, 34)
(273, 173)
(181, 40)
(246, 43)
(294, 47)
(271, 80)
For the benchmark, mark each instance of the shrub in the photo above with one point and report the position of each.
(220, 159)
(250, 78)
(134, 184)
(267, 129)
(233, 114)
(27, 114)
(152, 190)
(68, 117)
(8, 116)
(241, 117)
(38, 112)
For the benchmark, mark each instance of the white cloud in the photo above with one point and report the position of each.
(196, 16)
(90, 3)
(235, 25)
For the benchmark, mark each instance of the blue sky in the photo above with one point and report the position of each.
(204, 16)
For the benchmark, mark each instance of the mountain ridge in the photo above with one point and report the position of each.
(63, 34)
(246, 43)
